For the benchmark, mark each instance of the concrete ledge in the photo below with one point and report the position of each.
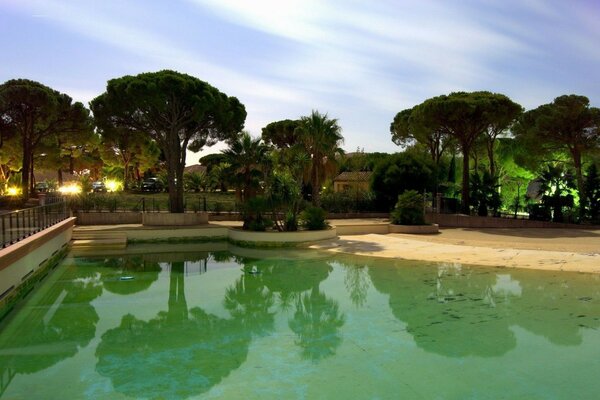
(279, 238)
(472, 221)
(108, 218)
(414, 229)
(362, 229)
(177, 234)
(25, 263)
(29, 246)
(174, 219)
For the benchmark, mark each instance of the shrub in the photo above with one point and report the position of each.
(218, 207)
(290, 222)
(400, 172)
(313, 218)
(409, 209)
(345, 202)
(112, 203)
(484, 193)
(253, 213)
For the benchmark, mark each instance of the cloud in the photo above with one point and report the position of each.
(360, 61)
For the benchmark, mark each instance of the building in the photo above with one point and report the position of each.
(352, 181)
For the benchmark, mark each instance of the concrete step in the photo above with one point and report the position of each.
(118, 243)
(94, 239)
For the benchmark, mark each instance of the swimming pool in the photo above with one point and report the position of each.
(167, 322)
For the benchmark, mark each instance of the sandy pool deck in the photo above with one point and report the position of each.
(548, 249)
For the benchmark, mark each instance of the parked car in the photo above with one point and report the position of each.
(98, 186)
(42, 187)
(152, 185)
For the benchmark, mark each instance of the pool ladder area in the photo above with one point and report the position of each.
(97, 239)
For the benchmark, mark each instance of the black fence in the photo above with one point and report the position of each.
(17, 225)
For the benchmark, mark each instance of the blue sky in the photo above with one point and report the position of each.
(359, 61)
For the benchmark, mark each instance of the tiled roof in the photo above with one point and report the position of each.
(354, 176)
(195, 168)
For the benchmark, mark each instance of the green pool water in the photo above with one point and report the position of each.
(200, 324)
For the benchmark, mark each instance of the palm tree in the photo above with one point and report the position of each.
(247, 157)
(322, 137)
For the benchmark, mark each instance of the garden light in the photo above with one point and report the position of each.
(113, 185)
(70, 189)
(13, 191)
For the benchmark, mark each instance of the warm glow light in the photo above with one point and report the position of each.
(13, 191)
(113, 185)
(72, 188)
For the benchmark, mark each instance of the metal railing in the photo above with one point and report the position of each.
(17, 225)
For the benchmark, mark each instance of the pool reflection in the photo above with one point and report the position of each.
(189, 347)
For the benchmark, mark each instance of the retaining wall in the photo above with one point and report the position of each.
(26, 262)
(468, 221)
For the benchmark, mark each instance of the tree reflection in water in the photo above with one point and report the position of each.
(316, 320)
(143, 271)
(60, 323)
(357, 283)
(178, 354)
(468, 311)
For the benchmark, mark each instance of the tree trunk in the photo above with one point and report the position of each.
(31, 177)
(125, 175)
(59, 175)
(580, 182)
(25, 168)
(173, 158)
(465, 201)
(491, 158)
(316, 193)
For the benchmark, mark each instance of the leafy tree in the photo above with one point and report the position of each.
(398, 173)
(10, 160)
(247, 157)
(123, 147)
(212, 160)
(556, 187)
(463, 117)
(321, 137)
(284, 194)
(484, 193)
(218, 177)
(66, 151)
(178, 111)
(35, 112)
(361, 161)
(195, 181)
(289, 152)
(410, 127)
(282, 134)
(592, 192)
(567, 124)
(502, 114)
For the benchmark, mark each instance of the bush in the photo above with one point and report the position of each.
(253, 213)
(398, 173)
(539, 212)
(484, 193)
(409, 209)
(290, 222)
(112, 203)
(345, 202)
(313, 218)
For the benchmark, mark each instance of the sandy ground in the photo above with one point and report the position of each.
(548, 249)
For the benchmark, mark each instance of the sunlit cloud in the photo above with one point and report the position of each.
(359, 61)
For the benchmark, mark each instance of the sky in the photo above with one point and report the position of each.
(360, 62)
